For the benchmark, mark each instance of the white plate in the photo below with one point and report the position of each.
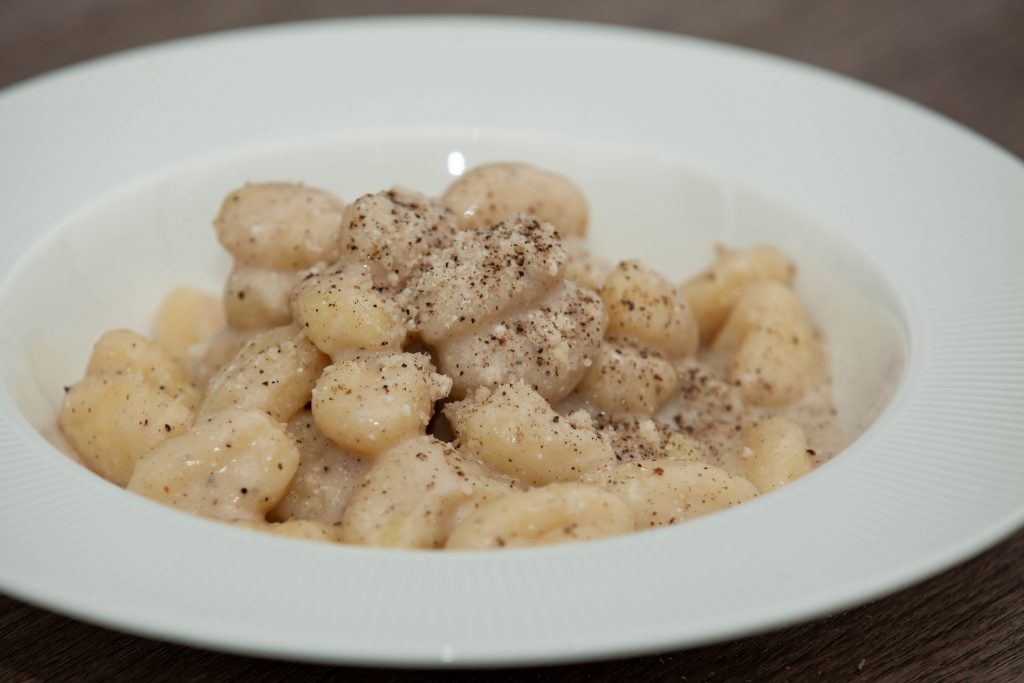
(909, 233)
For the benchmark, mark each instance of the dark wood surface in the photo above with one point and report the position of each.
(964, 58)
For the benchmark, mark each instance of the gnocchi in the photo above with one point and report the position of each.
(627, 377)
(111, 421)
(455, 372)
(133, 397)
(664, 491)
(515, 431)
(394, 234)
(274, 231)
(776, 453)
(491, 193)
(555, 513)
(342, 312)
(776, 352)
(234, 466)
(370, 404)
(714, 292)
(411, 496)
(274, 372)
(187, 317)
(645, 305)
(496, 307)
(282, 226)
(257, 298)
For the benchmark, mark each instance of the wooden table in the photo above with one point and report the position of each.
(963, 58)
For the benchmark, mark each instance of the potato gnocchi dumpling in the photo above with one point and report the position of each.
(628, 378)
(113, 420)
(410, 496)
(645, 305)
(548, 346)
(275, 232)
(133, 397)
(455, 372)
(665, 491)
(274, 372)
(513, 430)
(776, 351)
(234, 466)
(777, 453)
(394, 234)
(124, 351)
(496, 309)
(484, 274)
(714, 292)
(257, 298)
(283, 226)
(555, 513)
(368, 404)
(187, 317)
(343, 312)
(491, 193)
